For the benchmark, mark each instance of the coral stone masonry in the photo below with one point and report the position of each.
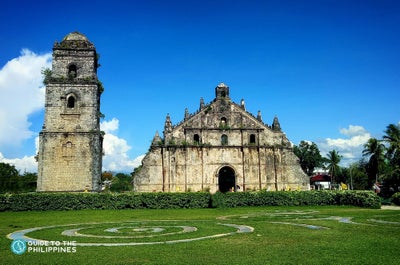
(221, 147)
(70, 143)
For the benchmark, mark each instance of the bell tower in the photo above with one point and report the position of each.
(70, 143)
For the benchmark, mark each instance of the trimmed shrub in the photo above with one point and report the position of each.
(165, 200)
(79, 201)
(365, 199)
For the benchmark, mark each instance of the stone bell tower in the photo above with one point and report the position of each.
(70, 143)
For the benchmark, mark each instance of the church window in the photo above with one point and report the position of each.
(223, 120)
(252, 138)
(71, 102)
(196, 139)
(72, 71)
(224, 139)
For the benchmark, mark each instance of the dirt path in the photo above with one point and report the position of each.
(390, 207)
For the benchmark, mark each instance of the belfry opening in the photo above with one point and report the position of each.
(226, 179)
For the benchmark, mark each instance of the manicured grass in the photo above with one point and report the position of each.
(282, 235)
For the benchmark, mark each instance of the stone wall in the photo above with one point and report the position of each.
(70, 143)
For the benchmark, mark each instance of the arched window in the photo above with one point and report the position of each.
(71, 102)
(252, 138)
(72, 71)
(223, 120)
(196, 139)
(224, 139)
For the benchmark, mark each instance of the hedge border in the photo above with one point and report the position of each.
(159, 200)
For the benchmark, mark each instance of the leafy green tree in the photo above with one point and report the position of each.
(375, 150)
(121, 182)
(309, 156)
(333, 159)
(8, 177)
(27, 182)
(356, 175)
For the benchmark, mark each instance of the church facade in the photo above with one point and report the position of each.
(70, 143)
(221, 147)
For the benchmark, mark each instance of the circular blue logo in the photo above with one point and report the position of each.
(18, 246)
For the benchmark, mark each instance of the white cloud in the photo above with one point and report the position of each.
(22, 93)
(349, 147)
(353, 130)
(116, 149)
(110, 126)
(25, 164)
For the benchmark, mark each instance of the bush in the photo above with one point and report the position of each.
(79, 201)
(365, 199)
(396, 198)
(165, 200)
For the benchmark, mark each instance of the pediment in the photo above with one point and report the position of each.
(221, 114)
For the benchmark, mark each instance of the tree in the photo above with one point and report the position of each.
(375, 150)
(309, 156)
(333, 160)
(27, 182)
(392, 138)
(8, 177)
(357, 174)
(121, 182)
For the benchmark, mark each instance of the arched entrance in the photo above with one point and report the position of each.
(226, 179)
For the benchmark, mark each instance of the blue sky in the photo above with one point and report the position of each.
(328, 69)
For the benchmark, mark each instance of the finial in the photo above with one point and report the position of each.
(168, 124)
(276, 125)
(156, 139)
(259, 116)
(186, 114)
(201, 103)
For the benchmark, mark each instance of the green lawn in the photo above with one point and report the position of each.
(281, 235)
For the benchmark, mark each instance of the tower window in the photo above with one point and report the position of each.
(224, 139)
(196, 139)
(71, 102)
(72, 71)
(252, 138)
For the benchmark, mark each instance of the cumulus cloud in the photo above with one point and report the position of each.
(110, 126)
(350, 146)
(116, 149)
(25, 164)
(22, 93)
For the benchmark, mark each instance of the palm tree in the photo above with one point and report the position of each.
(392, 137)
(333, 160)
(375, 150)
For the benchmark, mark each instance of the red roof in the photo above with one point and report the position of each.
(320, 177)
